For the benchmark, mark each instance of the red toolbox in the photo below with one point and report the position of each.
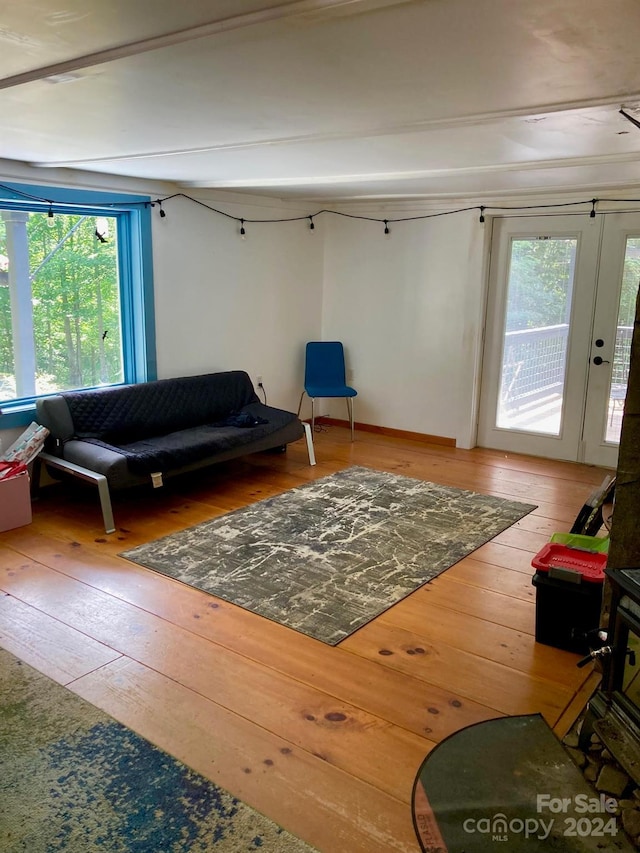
(569, 583)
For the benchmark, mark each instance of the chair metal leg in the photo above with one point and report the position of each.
(300, 404)
(313, 415)
(310, 449)
(350, 410)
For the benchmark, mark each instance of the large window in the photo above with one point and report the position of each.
(76, 294)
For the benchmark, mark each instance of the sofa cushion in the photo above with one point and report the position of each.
(183, 447)
(129, 413)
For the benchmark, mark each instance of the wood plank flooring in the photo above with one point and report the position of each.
(325, 740)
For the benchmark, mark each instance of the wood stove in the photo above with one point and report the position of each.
(614, 710)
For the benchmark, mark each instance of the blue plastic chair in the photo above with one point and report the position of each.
(325, 376)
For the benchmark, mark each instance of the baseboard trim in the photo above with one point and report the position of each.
(392, 433)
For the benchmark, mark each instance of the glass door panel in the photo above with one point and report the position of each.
(615, 306)
(538, 334)
(560, 314)
(624, 333)
(534, 353)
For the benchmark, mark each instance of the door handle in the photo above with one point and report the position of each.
(598, 360)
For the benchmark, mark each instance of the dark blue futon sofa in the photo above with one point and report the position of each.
(127, 435)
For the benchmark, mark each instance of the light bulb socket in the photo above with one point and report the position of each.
(482, 214)
(386, 227)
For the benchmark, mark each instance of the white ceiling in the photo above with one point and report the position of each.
(327, 99)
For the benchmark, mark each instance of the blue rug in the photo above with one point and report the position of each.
(73, 779)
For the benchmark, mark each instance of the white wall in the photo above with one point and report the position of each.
(409, 310)
(225, 303)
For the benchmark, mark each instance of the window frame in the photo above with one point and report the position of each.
(135, 265)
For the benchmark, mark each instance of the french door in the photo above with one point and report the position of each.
(560, 314)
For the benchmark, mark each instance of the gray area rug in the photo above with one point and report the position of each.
(73, 779)
(327, 557)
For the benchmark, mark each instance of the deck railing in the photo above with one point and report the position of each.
(533, 365)
(535, 360)
(621, 355)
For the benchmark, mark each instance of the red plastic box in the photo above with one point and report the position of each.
(569, 585)
(558, 560)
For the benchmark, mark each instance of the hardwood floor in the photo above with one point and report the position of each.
(325, 740)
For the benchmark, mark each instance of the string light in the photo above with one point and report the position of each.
(102, 229)
(13, 192)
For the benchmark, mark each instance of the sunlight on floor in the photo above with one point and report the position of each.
(544, 416)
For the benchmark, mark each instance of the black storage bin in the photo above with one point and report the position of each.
(565, 611)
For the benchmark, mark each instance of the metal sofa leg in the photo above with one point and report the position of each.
(309, 437)
(105, 504)
(89, 476)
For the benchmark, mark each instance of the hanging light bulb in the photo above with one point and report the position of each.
(387, 232)
(243, 233)
(50, 218)
(312, 226)
(102, 228)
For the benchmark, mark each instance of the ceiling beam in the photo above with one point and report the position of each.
(417, 126)
(211, 28)
(493, 168)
